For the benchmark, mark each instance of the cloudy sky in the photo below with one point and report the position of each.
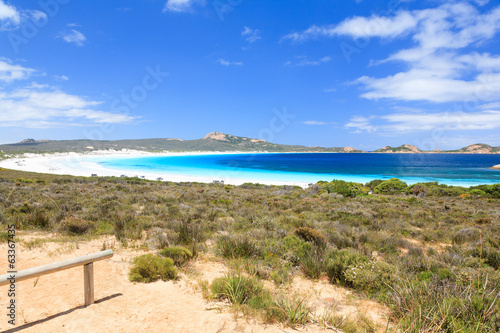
(325, 72)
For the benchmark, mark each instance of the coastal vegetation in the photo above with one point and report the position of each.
(428, 251)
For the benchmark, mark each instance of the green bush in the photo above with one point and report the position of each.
(491, 190)
(149, 268)
(190, 231)
(339, 261)
(295, 248)
(233, 247)
(237, 289)
(374, 183)
(293, 311)
(440, 306)
(76, 226)
(370, 277)
(477, 193)
(281, 274)
(391, 187)
(178, 254)
(4, 237)
(419, 188)
(466, 235)
(313, 263)
(311, 235)
(443, 190)
(347, 189)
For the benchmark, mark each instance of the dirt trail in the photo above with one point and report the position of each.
(54, 303)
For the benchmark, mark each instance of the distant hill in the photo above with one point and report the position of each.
(479, 148)
(400, 149)
(214, 141)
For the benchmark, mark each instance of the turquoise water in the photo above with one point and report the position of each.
(451, 169)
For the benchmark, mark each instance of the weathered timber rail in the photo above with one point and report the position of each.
(88, 271)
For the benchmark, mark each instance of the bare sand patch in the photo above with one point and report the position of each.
(54, 303)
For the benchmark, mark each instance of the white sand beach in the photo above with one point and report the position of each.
(81, 164)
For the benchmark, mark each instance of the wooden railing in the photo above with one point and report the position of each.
(88, 271)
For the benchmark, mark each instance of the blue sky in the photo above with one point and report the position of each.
(331, 73)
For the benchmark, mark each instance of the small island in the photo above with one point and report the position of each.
(496, 167)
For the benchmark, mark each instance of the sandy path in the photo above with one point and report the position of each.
(55, 304)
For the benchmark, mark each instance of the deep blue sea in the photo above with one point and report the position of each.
(451, 169)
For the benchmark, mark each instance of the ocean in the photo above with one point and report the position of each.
(450, 169)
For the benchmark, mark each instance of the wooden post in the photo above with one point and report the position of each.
(88, 283)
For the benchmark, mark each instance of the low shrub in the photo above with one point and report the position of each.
(149, 268)
(440, 306)
(391, 187)
(313, 263)
(178, 254)
(76, 226)
(295, 248)
(370, 277)
(476, 193)
(4, 237)
(347, 189)
(339, 261)
(233, 247)
(281, 275)
(190, 231)
(237, 289)
(292, 311)
(311, 235)
(466, 235)
(38, 219)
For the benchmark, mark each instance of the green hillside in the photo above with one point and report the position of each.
(223, 142)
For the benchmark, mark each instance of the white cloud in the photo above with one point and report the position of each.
(401, 123)
(357, 27)
(61, 77)
(304, 61)
(224, 62)
(421, 84)
(250, 34)
(495, 105)
(180, 6)
(37, 15)
(360, 123)
(12, 18)
(9, 72)
(315, 122)
(74, 36)
(441, 66)
(9, 16)
(40, 105)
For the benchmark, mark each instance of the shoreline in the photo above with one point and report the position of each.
(85, 164)
(80, 164)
